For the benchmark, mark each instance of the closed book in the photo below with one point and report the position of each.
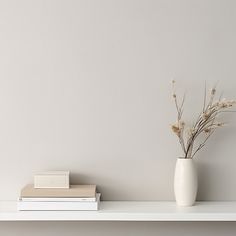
(59, 206)
(74, 191)
(58, 199)
(52, 179)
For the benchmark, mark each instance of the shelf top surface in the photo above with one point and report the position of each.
(128, 211)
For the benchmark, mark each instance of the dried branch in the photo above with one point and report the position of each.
(205, 122)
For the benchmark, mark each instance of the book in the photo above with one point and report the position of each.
(58, 199)
(59, 206)
(83, 191)
(52, 179)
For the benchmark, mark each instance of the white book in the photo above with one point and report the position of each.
(59, 206)
(57, 199)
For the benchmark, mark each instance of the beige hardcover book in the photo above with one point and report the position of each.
(74, 191)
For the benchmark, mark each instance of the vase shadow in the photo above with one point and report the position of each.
(204, 186)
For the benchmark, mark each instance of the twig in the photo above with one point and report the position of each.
(205, 122)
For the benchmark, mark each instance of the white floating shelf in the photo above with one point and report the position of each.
(128, 211)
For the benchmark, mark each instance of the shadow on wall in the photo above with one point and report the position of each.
(215, 183)
(76, 178)
(204, 176)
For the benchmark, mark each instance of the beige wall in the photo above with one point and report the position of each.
(85, 86)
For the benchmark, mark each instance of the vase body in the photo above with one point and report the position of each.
(185, 182)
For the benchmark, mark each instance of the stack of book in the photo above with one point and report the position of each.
(51, 193)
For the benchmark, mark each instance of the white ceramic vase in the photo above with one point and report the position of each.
(185, 182)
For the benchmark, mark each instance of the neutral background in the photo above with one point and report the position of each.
(86, 86)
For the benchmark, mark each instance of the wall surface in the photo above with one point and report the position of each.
(85, 86)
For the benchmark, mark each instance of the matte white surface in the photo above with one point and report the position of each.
(128, 211)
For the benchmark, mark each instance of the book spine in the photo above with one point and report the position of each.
(56, 206)
(59, 206)
(58, 199)
(77, 191)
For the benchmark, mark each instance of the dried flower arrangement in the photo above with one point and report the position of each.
(205, 124)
